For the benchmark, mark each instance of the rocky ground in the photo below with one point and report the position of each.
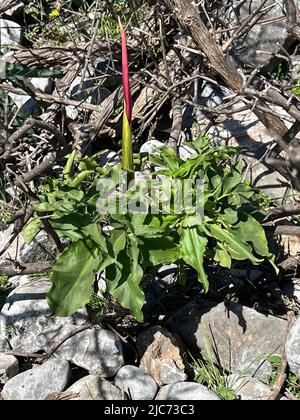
(239, 341)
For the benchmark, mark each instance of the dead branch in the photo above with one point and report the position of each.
(17, 269)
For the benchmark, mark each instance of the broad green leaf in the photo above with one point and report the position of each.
(252, 231)
(193, 247)
(230, 216)
(31, 229)
(231, 180)
(70, 225)
(235, 245)
(72, 277)
(45, 207)
(93, 231)
(117, 242)
(78, 179)
(222, 257)
(160, 251)
(124, 278)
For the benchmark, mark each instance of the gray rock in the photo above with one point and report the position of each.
(292, 348)
(89, 93)
(189, 391)
(44, 84)
(13, 250)
(92, 387)
(239, 338)
(98, 351)
(37, 383)
(185, 151)
(167, 274)
(151, 147)
(9, 367)
(17, 281)
(4, 346)
(259, 45)
(137, 384)
(40, 249)
(10, 32)
(295, 67)
(248, 388)
(15, 10)
(25, 104)
(170, 374)
(26, 322)
(108, 158)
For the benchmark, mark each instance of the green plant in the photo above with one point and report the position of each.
(215, 378)
(96, 303)
(293, 385)
(11, 330)
(127, 244)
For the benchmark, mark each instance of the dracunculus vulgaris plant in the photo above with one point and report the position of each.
(127, 155)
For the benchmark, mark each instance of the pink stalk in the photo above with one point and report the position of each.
(125, 75)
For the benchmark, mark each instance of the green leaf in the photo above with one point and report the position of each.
(160, 251)
(72, 278)
(93, 231)
(252, 231)
(222, 257)
(231, 180)
(234, 243)
(45, 207)
(117, 242)
(124, 278)
(31, 229)
(70, 225)
(193, 247)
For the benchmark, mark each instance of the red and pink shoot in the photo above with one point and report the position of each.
(127, 155)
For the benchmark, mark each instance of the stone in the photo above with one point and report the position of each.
(137, 384)
(188, 391)
(89, 93)
(44, 84)
(15, 10)
(4, 346)
(295, 67)
(292, 348)
(239, 338)
(10, 33)
(290, 245)
(37, 383)
(14, 249)
(151, 146)
(247, 388)
(108, 158)
(262, 42)
(167, 274)
(170, 374)
(9, 367)
(92, 387)
(157, 346)
(26, 105)
(26, 322)
(17, 281)
(96, 350)
(39, 249)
